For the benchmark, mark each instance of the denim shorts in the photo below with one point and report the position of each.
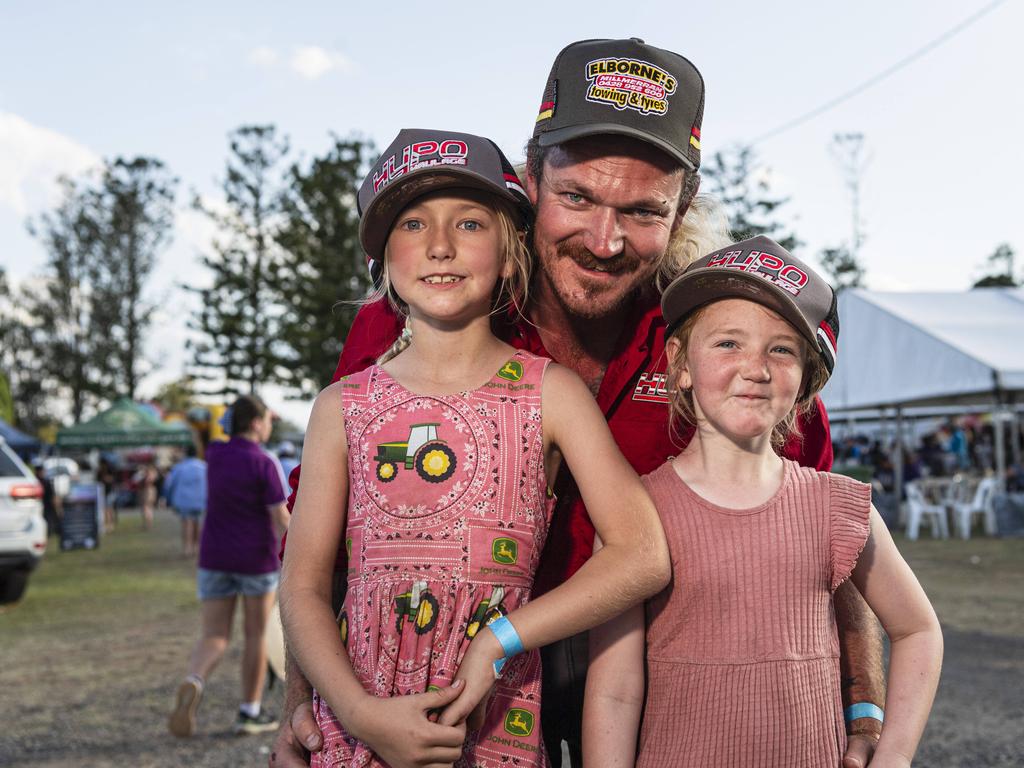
(214, 585)
(189, 514)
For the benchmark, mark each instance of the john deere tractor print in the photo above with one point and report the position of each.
(432, 459)
(490, 609)
(419, 606)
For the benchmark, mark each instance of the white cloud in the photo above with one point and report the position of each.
(312, 62)
(264, 57)
(31, 159)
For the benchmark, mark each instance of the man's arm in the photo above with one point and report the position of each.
(862, 669)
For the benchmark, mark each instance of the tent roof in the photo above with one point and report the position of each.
(123, 425)
(16, 438)
(900, 349)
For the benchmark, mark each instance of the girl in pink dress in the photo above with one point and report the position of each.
(434, 468)
(742, 656)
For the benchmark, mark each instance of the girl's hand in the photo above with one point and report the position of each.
(400, 731)
(477, 672)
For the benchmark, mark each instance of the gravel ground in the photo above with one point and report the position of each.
(91, 686)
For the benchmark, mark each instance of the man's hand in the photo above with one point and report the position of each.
(859, 750)
(296, 738)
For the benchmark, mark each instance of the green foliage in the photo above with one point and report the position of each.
(744, 189)
(842, 267)
(133, 212)
(1003, 255)
(81, 330)
(240, 313)
(177, 396)
(323, 268)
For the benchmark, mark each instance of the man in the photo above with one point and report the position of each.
(612, 172)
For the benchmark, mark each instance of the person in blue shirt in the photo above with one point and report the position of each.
(185, 491)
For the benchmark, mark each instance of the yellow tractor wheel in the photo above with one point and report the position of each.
(435, 462)
(426, 614)
(386, 471)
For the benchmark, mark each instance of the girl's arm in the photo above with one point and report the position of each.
(894, 594)
(615, 690)
(632, 565)
(397, 728)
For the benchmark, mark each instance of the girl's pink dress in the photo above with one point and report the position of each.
(448, 511)
(742, 650)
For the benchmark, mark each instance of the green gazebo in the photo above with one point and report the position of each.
(123, 425)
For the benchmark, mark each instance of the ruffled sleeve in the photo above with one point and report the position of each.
(849, 510)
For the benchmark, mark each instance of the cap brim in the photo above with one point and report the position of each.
(704, 286)
(377, 220)
(570, 132)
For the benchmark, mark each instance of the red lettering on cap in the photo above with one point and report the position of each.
(770, 261)
(793, 275)
(453, 148)
(423, 147)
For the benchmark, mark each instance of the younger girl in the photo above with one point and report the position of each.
(444, 455)
(742, 664)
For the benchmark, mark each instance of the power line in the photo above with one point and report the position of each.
(871, 81)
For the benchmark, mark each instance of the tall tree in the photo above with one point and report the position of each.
(20, 363)
(1003, 278)
(71, 341)
(132, 211)
(239, 317)
(745, 190)
(323, 266)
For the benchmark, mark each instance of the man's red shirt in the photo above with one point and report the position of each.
(633, 397)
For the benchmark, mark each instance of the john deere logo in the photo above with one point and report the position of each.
(511, 371)
(505, 551)
(519, 722)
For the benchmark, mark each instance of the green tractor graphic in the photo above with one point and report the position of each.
(490, 609)
(419, 606)
(432, 459)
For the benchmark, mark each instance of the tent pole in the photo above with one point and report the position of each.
(897, 463)
(997, 422)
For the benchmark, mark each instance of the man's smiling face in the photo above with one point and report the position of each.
(606, 207)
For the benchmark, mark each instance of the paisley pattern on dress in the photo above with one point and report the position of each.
(448, 512)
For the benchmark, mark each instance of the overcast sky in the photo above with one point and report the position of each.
(81, 82)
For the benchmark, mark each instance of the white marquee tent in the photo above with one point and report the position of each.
(916, 349)
(908, 350)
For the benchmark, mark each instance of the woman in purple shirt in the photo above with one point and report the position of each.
(245, 514)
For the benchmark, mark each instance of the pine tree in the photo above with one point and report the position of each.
(744, 189)
(239, 316)
(323, 266)
(1004, 278)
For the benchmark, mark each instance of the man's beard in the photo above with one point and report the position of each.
(591, 306)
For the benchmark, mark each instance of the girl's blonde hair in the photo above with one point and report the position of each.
(681, 409)
(509, 294)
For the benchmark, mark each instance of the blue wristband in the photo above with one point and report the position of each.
(507, 636)
(864, 709)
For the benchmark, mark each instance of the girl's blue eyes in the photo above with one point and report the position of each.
(414, 225)
(727, 344)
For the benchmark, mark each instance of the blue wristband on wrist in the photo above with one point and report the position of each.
(511, 644)
(864, 709)
(507, 636)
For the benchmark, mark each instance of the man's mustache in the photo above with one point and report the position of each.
(579, 253)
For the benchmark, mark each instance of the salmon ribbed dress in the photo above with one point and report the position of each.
(742, 649)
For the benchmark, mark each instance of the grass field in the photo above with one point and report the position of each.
(92, 655)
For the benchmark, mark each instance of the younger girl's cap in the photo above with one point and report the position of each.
(760, 270)
(419, 161)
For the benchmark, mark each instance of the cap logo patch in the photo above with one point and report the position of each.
(630, 84)
(768, 266)
(420, 154)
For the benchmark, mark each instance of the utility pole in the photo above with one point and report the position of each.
(848, 151)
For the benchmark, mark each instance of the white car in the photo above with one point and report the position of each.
(22, 527)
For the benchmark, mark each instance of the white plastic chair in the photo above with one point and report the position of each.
(919, 508)
(982, 504)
